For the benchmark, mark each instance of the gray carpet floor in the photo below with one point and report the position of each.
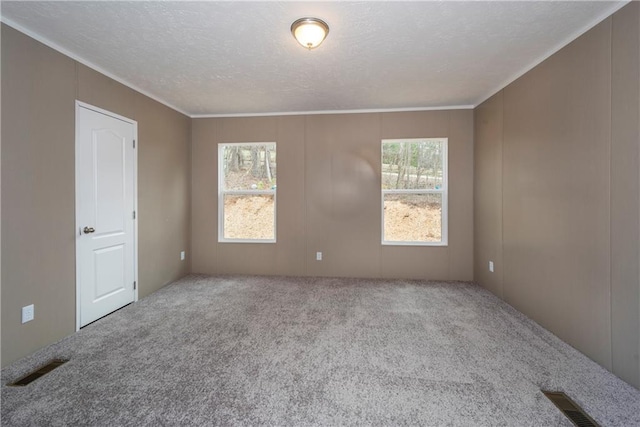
(313, 351)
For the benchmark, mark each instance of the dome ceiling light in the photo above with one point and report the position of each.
(309, 32)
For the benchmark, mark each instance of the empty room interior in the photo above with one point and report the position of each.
(320, 213)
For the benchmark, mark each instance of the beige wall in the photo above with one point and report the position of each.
(625, 194)
(487, 194)
(557, 193)
(329, 196)
(39, 89)
(38, 215)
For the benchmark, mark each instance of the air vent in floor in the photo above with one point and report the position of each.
(570, 409)
(29, 378)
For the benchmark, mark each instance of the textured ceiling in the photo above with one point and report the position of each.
(217, 58)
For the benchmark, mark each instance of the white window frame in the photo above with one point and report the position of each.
(222, 192)
(444, 191)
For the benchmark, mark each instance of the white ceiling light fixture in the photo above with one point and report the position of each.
(310, 32)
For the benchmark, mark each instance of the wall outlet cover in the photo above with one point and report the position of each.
(318, 256)
(182, 256)
(28, 313)
(491, 266)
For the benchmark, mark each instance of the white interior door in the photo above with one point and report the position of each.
(105, 212)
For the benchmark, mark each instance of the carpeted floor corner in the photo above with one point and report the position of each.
(313, 351)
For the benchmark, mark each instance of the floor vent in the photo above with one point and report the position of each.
(570, 409)
(29, 378)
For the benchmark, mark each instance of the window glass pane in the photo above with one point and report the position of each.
(249, 167)
(413, 217)
(249, 217)
(413, 164)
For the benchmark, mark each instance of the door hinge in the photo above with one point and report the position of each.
(135, 285)
(134, 143)
(134, 214)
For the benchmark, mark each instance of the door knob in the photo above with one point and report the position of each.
(88, 230)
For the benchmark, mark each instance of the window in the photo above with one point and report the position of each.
(247, 192)
(414, 191)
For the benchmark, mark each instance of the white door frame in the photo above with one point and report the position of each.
(80, 104)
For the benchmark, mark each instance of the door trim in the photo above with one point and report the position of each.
(80, 104)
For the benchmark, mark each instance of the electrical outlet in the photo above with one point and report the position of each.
(318, 256)
(28, 313)
(491, 266)
(182, 256)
